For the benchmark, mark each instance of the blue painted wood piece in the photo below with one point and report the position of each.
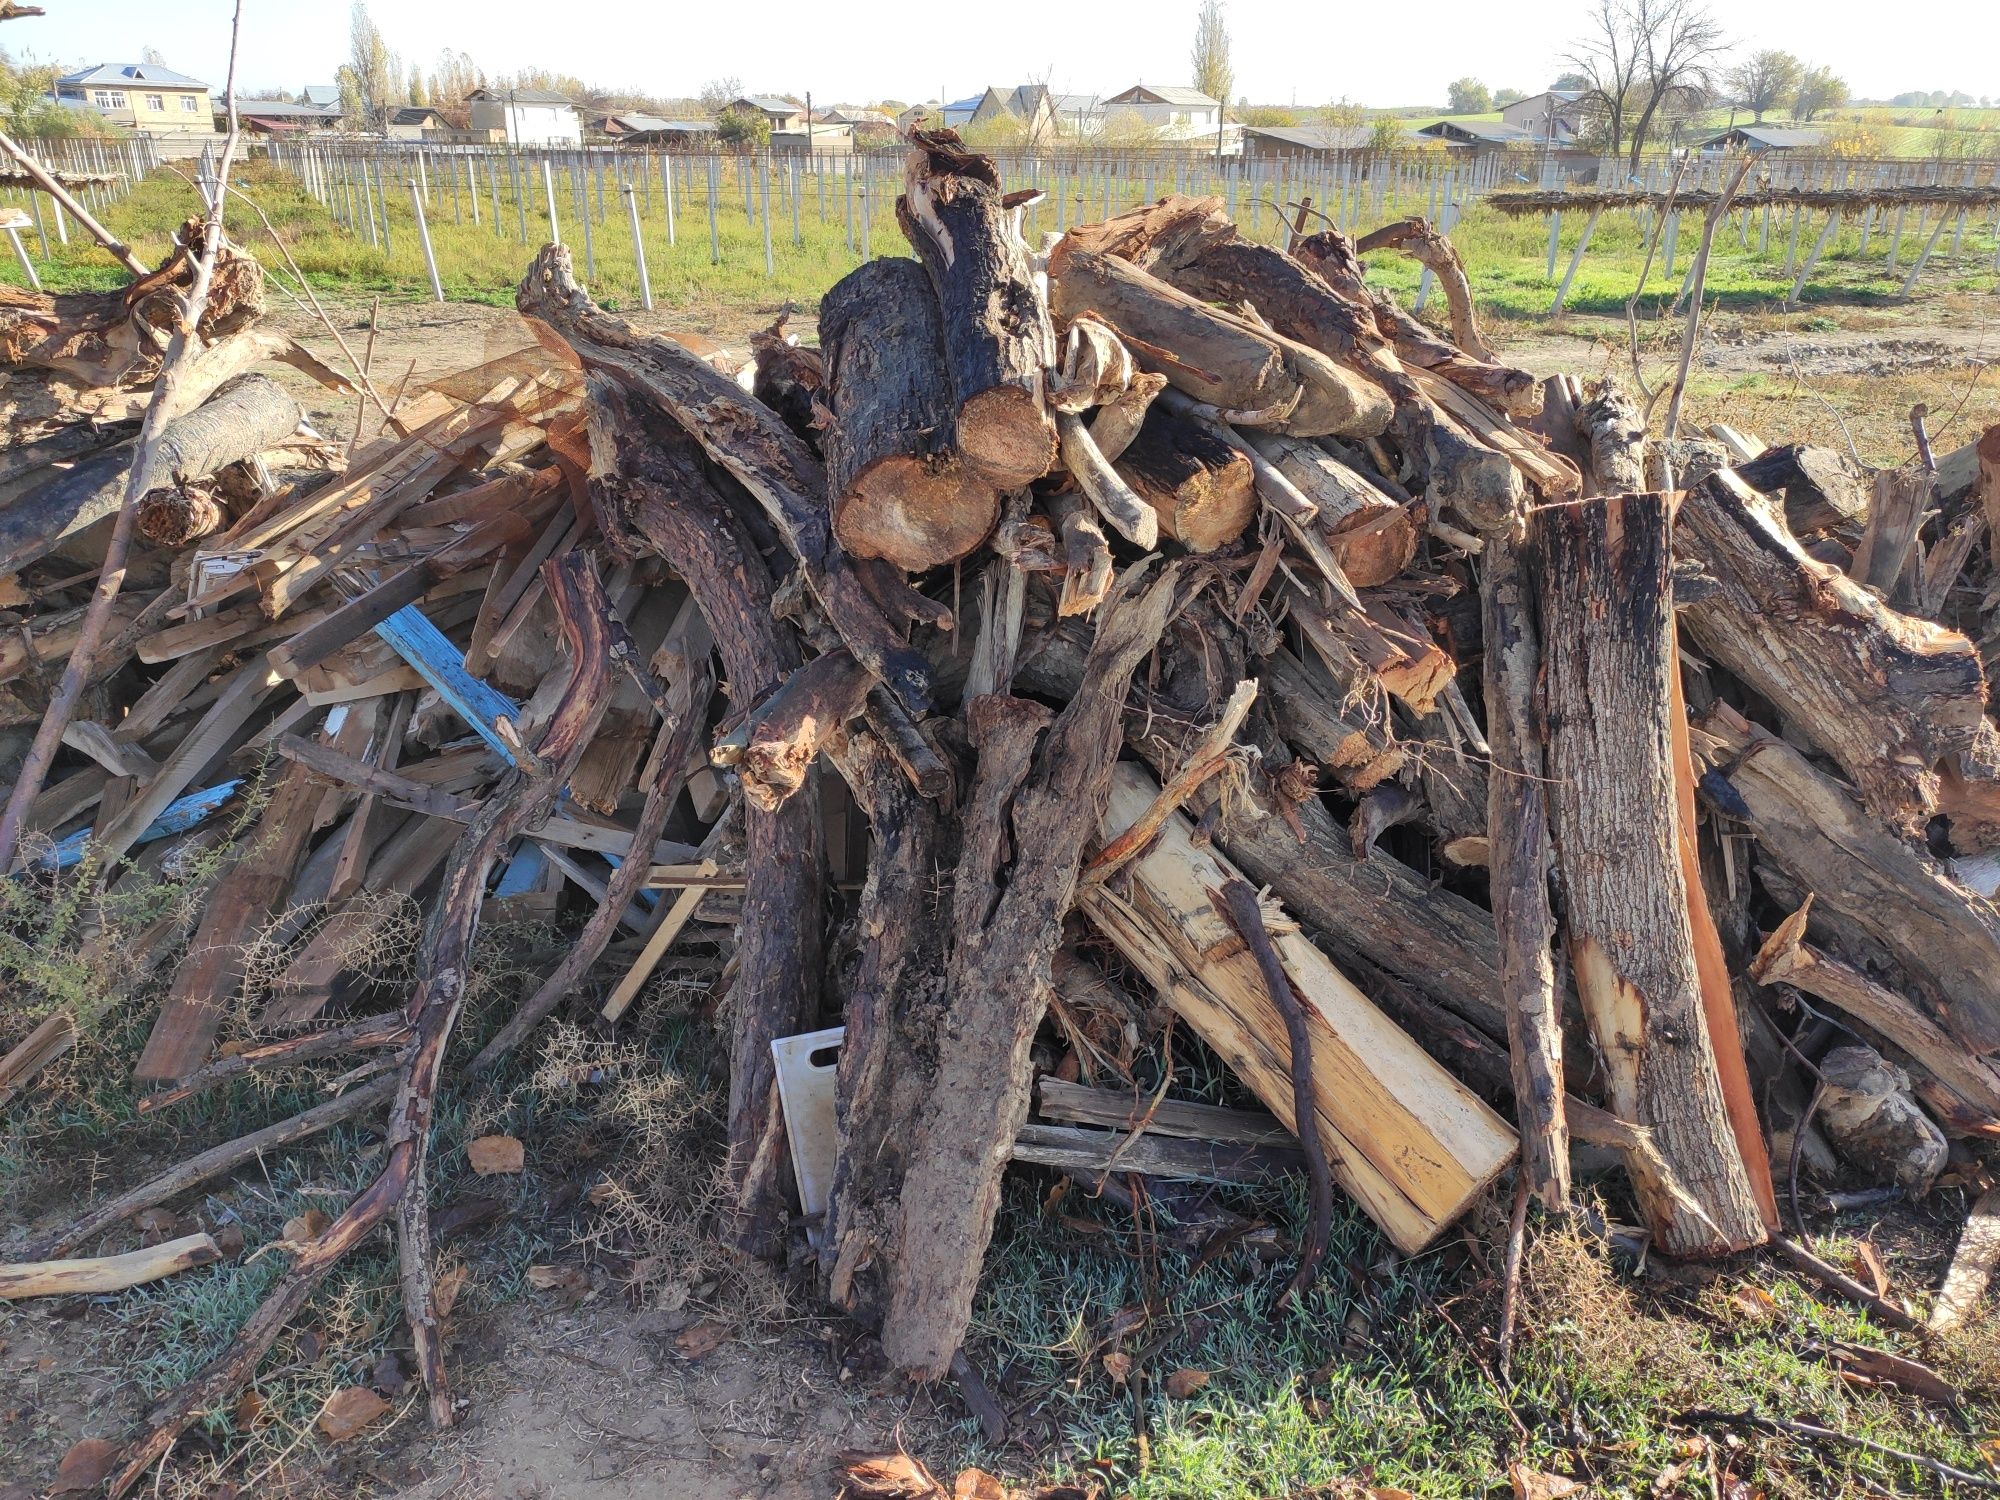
(177, 817)
(442, 665)
(524, 871)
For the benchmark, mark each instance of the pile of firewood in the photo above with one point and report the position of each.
(1192, 638)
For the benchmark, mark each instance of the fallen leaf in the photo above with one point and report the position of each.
(157, 1225)
(309, 1225)
(312, 1344)
(1533, 1484)
(85, 1466)
(348, 1410)
(1755, 1303)
(229, 1240)
(1389, 1492)
(495, 1155)
(571, 1284)
(1917, 1379)
(977, 1484)
(462, 1215)
(704, 1338)
(249, 1411)
(1868, 1267)
(1184, 1383)
(389, 1377)
(450, 1282)
(889, 1476)
(1118, 1367)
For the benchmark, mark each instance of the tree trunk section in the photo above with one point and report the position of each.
(1016, 877)
(655, 485)
(1607, 616)
(899, 488)
(998, 341)
(1202, 489)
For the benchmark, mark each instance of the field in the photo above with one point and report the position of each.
(606, 1351)
(1882, 129)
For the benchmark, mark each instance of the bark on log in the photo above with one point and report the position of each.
(1888, 696)
(1868, 1114)
(1608, 649)
(1518, 861)
(774, 750)
(238, 423)
(998, 341)
(1202, 489)
(1786, 958)
(899, 488)
(1946, 939)
(649, 479)
(1016, 876)
(1820, 486)
(1371, 534)
(747, 441)
(1118, 422)
(1613, 431)
(1349, 736)
(1216, 356)
(790, 380)
(893, 1007)
(1425, 244)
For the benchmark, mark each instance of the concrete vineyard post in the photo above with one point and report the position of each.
(639, 250)
(424, 239)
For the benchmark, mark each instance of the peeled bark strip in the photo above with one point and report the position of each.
(1203, 490)
(998, 340)
(240, 422)
(747, 441)
(899, 489)
(1607, 613)
(1105, 487)
(1946, 938)
(1887, 695)
(1518, 859)
(648, 478)
(1016, 876)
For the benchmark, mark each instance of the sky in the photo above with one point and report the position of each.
(1284, 52)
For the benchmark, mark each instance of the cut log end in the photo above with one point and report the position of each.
(917, 511)
(1006, 435)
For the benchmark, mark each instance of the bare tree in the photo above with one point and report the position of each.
(719, 93)
(378, 75)
(1212, 73)
(454, 78)
(1764, 80)
(1643, 57)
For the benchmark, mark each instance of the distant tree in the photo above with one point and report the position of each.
(1764, 80)
(1210, 57)
(1266, 115)
(454, 77)
(378, 76)
(742, 127)
(348, 82)
(1468, 96)
(416, 86)
(1385, 133)
(1637, 58)
(153, 56)
(718, 93)
(1817, 91)
(1504, 97)
(28, 106)
(1571, 83)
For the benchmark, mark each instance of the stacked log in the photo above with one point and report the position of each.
(1105, 583)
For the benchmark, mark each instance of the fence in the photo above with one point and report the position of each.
(106, 171)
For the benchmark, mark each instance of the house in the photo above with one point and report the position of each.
(140, 96)
(414, 122)
(866, 124)
(1177, 113)
(781, 114)
(1762, 138)
(629, 128)
(279, 116)
(1555, 115)
(820, 139)
(918, 115)
(524, 117)
(1478, 137)
(1292, 142)
(321, 94)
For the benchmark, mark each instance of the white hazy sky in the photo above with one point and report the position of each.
(1284, 51)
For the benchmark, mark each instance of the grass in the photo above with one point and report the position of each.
(1507, 258)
